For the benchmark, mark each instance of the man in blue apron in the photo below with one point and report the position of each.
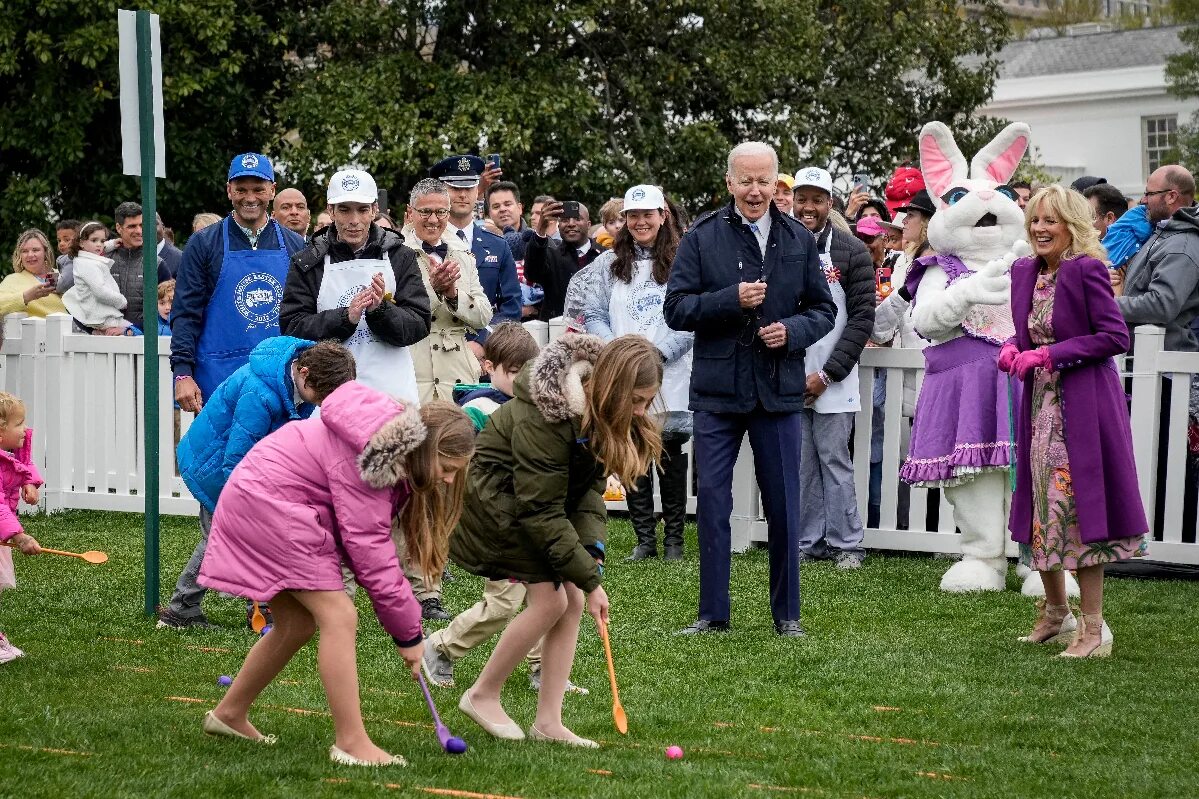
(227, 295)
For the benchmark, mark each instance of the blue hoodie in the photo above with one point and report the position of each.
(255, 400)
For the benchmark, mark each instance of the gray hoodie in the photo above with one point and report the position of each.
(1161, 286)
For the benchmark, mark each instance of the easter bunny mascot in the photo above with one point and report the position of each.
(961, 301)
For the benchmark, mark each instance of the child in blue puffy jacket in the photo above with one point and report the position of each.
(286, 378)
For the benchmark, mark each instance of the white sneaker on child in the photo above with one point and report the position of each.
(8, 651)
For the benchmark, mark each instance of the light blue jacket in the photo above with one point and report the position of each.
(255, 400)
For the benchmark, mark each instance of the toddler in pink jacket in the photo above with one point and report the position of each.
(19, 479)
(317, 493)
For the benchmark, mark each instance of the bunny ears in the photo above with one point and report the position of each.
(944, 165)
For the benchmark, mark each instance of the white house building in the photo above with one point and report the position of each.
(1096, 100)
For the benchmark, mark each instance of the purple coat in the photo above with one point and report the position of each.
(1089, 330)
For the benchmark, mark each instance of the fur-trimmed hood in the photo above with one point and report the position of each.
(385, 430)
(554, 380)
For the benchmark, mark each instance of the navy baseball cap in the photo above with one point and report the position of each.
(458, 171)
(251, 165)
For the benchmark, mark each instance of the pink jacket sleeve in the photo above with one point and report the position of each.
(10, 525)
(25, 458)
(364, 523)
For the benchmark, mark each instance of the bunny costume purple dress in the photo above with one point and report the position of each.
(961, 423)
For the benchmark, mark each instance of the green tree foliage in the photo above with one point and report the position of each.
(582, 98)
(1182, 76)
(60, 137)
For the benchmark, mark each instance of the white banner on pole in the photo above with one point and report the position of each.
(131, 152)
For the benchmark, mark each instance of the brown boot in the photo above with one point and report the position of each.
(1055, 625)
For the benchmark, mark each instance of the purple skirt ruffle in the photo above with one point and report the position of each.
(961, 424)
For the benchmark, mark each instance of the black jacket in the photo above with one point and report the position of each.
(733, 371)
(402, 322)
(852, 259)
(552, 263)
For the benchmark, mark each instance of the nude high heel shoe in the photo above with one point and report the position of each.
(1101, 643)
(1056, 624)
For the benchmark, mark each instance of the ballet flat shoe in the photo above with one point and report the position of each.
(214, 726)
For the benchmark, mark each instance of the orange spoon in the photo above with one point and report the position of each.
(257, 621)
(618, 716)
(91, 556)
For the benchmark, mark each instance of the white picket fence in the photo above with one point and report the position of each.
(83, 398)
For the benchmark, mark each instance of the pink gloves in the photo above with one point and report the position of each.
(1007, 354)
(1025, 362)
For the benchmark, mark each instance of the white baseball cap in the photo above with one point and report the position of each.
(352, 186)
(814, 176)
(644, 198)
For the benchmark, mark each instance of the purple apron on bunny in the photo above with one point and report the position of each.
(961, 422)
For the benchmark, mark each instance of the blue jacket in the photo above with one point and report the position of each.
(732, 370)
(196, 281)
(497, 275)
(254, 401)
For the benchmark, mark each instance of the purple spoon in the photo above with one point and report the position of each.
(452, 744)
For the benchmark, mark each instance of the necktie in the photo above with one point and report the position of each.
(753, 226)
(440, 250)
(462, 235)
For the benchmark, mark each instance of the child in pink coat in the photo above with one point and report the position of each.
(19, 479)
(317, 493)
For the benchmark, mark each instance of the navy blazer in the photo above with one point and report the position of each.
(733, 371)
(497, 275)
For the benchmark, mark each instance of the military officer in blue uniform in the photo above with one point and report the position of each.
(493, 256)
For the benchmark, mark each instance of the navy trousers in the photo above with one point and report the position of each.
(775, 441)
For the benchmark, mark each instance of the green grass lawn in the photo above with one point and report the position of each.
(898, 690)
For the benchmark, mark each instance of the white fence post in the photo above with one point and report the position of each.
(60, 414)
(1146, 404)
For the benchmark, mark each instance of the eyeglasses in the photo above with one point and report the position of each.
(1155, 193)
(425, 213)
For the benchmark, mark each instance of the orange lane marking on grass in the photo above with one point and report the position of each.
(467, 794)
(782, 788)
(932, 775)
(769, 729)
(216, 649)
(885, 709)
(289, 682)
(122, 640)
(187, 699)
(723, 724)
(599, 771)
(47, 749)
(138, 669)
(878, 740)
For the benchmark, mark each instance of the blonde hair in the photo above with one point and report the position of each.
(626, 444)
(203, 220)
(32, 233)
(166, 290)
(914, 246)
(432, 512)
(611, 210)
(10, 406)
(1074, 211)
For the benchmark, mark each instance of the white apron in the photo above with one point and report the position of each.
(636, 307)
(839, 397)
(380, 366)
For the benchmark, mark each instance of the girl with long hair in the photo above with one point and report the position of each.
(626, 294)
(320, 492)
(534, 509)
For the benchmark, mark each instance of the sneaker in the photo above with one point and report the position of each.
(571, 688)
(431, 609)
(849, 562)
(438, 669)
(8, 651)
(169, 619)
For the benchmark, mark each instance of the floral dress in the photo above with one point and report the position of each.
(1056, 541)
